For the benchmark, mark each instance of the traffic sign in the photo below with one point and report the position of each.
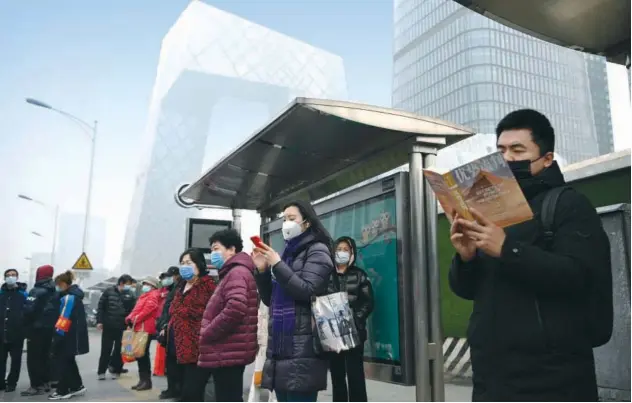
(83, 263)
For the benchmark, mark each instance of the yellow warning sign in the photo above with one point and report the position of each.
(83, 263)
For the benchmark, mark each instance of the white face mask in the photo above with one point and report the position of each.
(343, 257)
(291, 229)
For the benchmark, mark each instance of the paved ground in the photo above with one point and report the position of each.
(119, 390)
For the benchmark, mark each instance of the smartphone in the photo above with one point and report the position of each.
(257, 241)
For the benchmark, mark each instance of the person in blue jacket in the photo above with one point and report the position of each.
(70, 338)
(12, 300)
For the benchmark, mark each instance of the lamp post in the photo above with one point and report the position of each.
(91, 131)
(56, 211)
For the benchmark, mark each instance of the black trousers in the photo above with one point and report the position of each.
(144, 362)
(174, 372)
(348, 365)
(228, 382)
(69, 377)
(38, 357)
(110, 350)
(13, 350)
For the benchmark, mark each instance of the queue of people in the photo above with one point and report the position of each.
(542, 301)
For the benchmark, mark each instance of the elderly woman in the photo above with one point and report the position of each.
(143, 319)
(186, 311)
(286, 284)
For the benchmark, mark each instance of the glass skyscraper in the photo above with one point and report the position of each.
(454, 64)
(213, 67)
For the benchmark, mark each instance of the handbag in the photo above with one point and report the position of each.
(333, 319)
(134, 343)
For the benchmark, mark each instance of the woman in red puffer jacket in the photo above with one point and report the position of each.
(143, 319)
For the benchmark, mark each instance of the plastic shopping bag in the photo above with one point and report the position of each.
(334, 322)
(127, 352)
(160, 360)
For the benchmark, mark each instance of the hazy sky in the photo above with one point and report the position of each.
(98, 60)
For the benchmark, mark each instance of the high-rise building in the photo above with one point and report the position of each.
(454, 64)
(219, 78)
(70, 238)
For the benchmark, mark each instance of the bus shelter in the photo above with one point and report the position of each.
(315, 148)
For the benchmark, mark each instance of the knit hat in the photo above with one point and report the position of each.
(153, 281)
(44, 272)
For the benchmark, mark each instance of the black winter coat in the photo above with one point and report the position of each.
(305, 370)
(527, 332)
(358, 287)
(75, 341)
(113, 308)
(42, 307)
(12, 302)
(163, 320)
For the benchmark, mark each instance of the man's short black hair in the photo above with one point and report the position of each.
(229, 238)
(124, 279)
(541, 130)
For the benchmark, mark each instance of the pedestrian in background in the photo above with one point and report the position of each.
(111, 313)
(143, 319)
(70, 338)
(347, 367)
(12, 302)
(287, 284)
(174, 370)
(228, 338)
(186, 313)
(41, 312)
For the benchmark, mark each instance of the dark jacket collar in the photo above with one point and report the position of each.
(547, 179)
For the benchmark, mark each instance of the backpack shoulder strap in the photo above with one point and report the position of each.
(549, 205)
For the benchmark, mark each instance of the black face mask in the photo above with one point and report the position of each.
(522, 168)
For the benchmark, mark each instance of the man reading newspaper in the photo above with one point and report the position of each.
(542, 296)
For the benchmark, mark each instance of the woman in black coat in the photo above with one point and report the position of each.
(286, 284)
(70, 338)
(349, 365)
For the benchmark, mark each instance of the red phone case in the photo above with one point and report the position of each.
(256, 240)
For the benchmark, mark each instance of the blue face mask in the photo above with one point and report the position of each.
(127, 287)
(146, 288)
(11, 280)
(217, 260)
(167, 281)
(186, 272)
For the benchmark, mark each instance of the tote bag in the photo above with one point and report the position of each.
(334, 321)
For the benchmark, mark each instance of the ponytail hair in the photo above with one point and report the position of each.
(66, 277)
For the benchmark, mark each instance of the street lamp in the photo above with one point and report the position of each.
(37, 234)
(91, 131)
(56, 212)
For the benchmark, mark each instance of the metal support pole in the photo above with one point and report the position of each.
(52, 253)
(434, 287)
(419, 276)
(237, 220)
(89, 197)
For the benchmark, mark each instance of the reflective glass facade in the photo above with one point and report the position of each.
(457, 65)
(208, 57)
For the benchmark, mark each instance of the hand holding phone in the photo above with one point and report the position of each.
(257, 241)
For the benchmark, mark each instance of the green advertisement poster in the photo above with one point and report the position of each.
(372, 224)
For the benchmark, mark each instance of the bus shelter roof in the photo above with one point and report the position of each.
(313, 148)
(600, 27)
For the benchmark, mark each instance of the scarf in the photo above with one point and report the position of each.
(283, 311)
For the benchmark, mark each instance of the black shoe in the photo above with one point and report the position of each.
(144, 385)
(168, 394)
(124, 371)
(2, 386)
(10, 389)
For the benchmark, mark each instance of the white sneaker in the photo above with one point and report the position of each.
(57, 396)
(79, 392)
(114, 375)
